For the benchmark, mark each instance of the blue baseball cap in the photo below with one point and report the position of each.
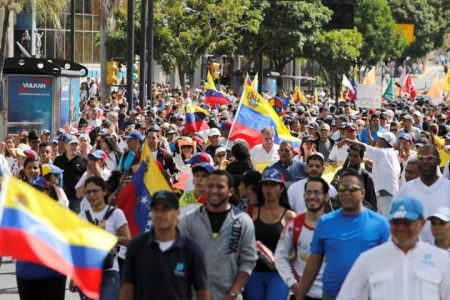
(406, 208)
(273, 175)
(98, 155)
(46, 132)
(135, 135)
(199, 158)
(63, 137)
(39, 183)
(203, 166)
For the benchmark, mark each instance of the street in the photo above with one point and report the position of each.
(8, 285)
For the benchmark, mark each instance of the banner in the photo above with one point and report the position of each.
(369, 96)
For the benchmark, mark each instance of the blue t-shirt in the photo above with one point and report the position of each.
(341, 239)
(363, 136)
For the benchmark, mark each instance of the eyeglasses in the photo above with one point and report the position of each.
(425, 157)
(349, 188)
(313, 193)
(88, 192)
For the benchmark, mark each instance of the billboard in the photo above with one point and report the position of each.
(29, 102)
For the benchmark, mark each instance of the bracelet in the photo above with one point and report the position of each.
(232, 294)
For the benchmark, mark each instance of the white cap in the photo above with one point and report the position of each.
(389, 137)
(389, 113)
(417, 113)
(220, 149)
(442, 213)
(213, 132)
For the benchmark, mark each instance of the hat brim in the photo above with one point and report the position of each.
(440, 217)
(408, 216)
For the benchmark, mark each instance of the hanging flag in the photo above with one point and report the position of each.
(35, 228)
(248, 80)
(216, 98)
(209, 84)
(316, 96)
(298, 95)
(355, 90)
(369, 79)
(409, 88)
(195, 118)
(389, 93)
(135, 198)
(254, 114)
(447, 82)
(435, 91)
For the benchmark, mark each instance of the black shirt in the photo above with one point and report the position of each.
(164, 275)
(73, 170)
(216, 219)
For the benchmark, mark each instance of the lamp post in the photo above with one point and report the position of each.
(130, 52)
(72, 30)
(150, 51)
(143, 44)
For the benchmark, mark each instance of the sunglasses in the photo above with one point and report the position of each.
(426, 157)
(349, 188)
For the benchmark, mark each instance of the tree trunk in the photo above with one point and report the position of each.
(181, 74)
(3, 41)
(105, 89)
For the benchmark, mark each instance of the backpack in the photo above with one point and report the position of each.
(109, 260)
(297, 230)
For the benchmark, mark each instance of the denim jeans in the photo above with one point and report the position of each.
(110, 286)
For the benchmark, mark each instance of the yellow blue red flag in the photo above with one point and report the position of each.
(35, 228)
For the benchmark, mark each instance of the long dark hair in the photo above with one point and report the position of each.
(112, 144)
(26, 162)
(283, 199)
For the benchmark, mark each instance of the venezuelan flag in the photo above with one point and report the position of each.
(298, 95)
(35, 228)
(253, 115)
(214, 98)
(135, 198)
(195, 118)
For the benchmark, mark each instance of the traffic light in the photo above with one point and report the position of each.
(135, 75)
(215, 70)
(111, 72)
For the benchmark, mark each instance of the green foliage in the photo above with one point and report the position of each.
(373, 18)
(431, 21)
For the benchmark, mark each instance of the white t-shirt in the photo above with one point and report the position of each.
(296, 195)
(111, 161)
(385, 168)
(84, 203)
(259, 154)
(431, 197)
(112, 224)
(338, 155)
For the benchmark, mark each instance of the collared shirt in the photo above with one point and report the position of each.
(260, 155)
(386, 272)
(164, 275)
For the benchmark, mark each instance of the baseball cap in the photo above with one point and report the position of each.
(417, 113)
(406, 208)
(72, 140)
(313, 125)
(166, 197)
(272, 175)
(98, 154)
(185, 141)
(351, 126)
(406, 136)
(442, 213)
(214, 132)
(46, 132)
(51, 169)
(40, 183)
(198, 158)
(153, 128)
(389, 137)
(203, 166)
(134, 135)
(220, 149)
(170, 131)
(408, 117)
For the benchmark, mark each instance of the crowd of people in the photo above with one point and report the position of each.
(231, 229)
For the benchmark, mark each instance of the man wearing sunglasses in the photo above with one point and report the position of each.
(430, 189)
(410, 268)
(341, 236)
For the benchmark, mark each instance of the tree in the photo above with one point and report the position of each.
(430, 19)
(337, 51)
(53, 11)
(286, 28)
(382, 39)
(184, 33)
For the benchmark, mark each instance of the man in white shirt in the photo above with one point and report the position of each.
(297, 236)
(385, 168)
(338, 155)
(402, 268)
(266, 152)
(430, 189)
(314, 169)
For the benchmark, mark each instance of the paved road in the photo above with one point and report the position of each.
(8, 285)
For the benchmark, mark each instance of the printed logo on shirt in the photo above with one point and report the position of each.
(427, 259)
(234, 236)
(179, 269)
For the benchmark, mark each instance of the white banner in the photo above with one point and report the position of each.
(368, 96)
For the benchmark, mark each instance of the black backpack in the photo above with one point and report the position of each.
(109, 260)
